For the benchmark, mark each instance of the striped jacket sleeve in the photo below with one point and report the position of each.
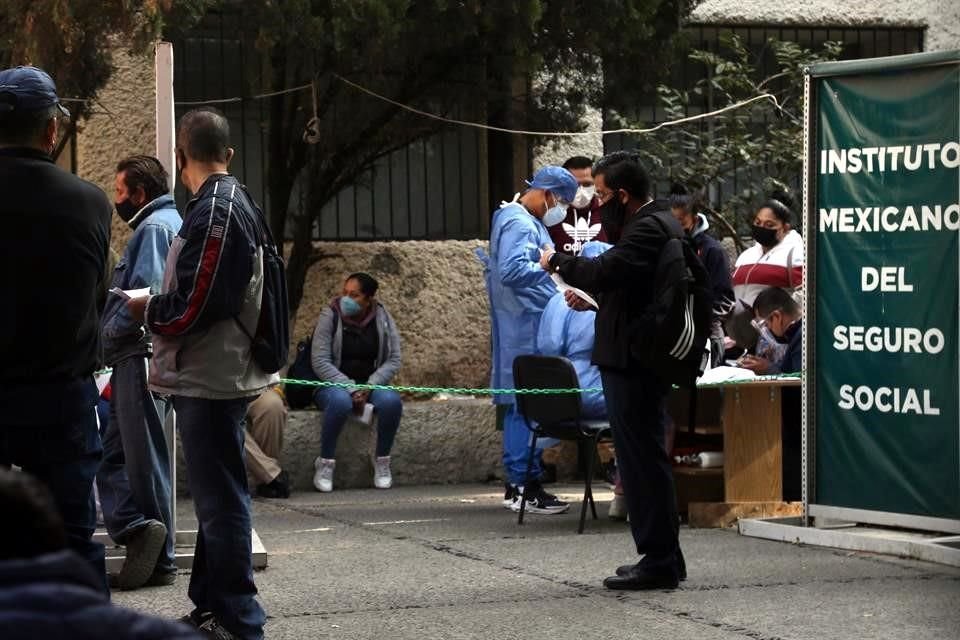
(213, 269)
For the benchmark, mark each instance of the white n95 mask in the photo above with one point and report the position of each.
(584, 197)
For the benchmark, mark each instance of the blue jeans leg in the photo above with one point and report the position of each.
(336, 405)
(65, 458)
(135, 478)
(389, 409)
(516, 448)
(222, 577)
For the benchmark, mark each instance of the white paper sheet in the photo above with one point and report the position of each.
(131, 293)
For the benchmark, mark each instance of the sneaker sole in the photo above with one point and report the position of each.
(135, 575)
(546, 511)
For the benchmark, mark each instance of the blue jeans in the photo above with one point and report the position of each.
(337, 405)
(516, 448)
(134, 479)
(221, 581)
(64, 457)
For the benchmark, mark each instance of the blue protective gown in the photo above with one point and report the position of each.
(519, 291)
(568, 333)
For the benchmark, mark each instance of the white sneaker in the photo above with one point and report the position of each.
(382, 479)
(323, 477)
(618, 508)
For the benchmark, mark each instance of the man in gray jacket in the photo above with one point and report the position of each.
(213, 285)
(134, 478)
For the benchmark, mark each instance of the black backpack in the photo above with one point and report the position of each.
(672, 334)
(300, 396)
(270, 342)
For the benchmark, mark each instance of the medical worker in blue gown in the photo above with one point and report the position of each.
(569, 333)
(519, 291)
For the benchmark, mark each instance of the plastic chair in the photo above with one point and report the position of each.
(556, 416)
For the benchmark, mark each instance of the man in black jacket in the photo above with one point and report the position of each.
(623, 279)
(56, 237)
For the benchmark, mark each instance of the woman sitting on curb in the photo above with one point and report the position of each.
(356, 342)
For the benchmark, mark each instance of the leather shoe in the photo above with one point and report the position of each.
(624, 569)
(640, 580)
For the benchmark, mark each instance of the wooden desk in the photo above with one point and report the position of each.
(752, 456)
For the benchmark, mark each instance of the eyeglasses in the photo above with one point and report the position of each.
(603, 196)
(762, 323)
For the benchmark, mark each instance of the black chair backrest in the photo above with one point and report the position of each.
(546, 372)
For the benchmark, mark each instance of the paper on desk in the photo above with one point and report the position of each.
(131, 293)
(725, 374)
(563, 286)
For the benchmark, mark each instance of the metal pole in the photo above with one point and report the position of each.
(166, 135)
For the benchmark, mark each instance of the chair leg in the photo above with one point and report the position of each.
(526, 479)
(590, 462)
(586, 487)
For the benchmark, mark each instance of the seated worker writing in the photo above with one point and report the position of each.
(777, 316)
(569, 333)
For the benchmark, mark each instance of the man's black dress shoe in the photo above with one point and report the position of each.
(638, 579)
(624, 569)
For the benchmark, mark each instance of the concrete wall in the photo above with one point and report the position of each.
(435, 292)
(123, 124)
(941, 17)
(557, 150)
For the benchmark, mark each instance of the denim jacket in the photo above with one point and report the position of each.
(141, 265)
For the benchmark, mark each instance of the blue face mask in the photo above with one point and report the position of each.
(349, 307)
(555, 215)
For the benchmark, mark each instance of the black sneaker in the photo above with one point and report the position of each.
(195, 618)
(212, 628)
(279, 487)
(539, 501)
(510, 495)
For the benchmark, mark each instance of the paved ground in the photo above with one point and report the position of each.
(450, 562)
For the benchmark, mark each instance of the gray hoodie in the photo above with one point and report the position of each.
(326, 352)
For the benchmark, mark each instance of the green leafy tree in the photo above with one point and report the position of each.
(70, 39)
(471, 59)
(761, 145)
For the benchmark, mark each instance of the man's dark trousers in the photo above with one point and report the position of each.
(64, 455)
(636, 410)
(221, 581)
(134, 480)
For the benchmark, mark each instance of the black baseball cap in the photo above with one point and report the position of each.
(24, 89)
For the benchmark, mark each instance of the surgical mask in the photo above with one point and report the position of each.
(612, 214)
(584, 197)
(766, 237)
(349, 307)
(126, 210)
(763, 329)
(555, 214)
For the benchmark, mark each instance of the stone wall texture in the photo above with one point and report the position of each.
(439, 442)
(434, 291)
(941, 17)
(557, 150)
(123, 124)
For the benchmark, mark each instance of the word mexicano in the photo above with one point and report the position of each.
(894, 158)
(890, 219)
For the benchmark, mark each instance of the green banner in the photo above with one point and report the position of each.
(887, 336)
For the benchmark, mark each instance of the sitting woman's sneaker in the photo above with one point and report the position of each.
(382, 479)
(323, 476)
